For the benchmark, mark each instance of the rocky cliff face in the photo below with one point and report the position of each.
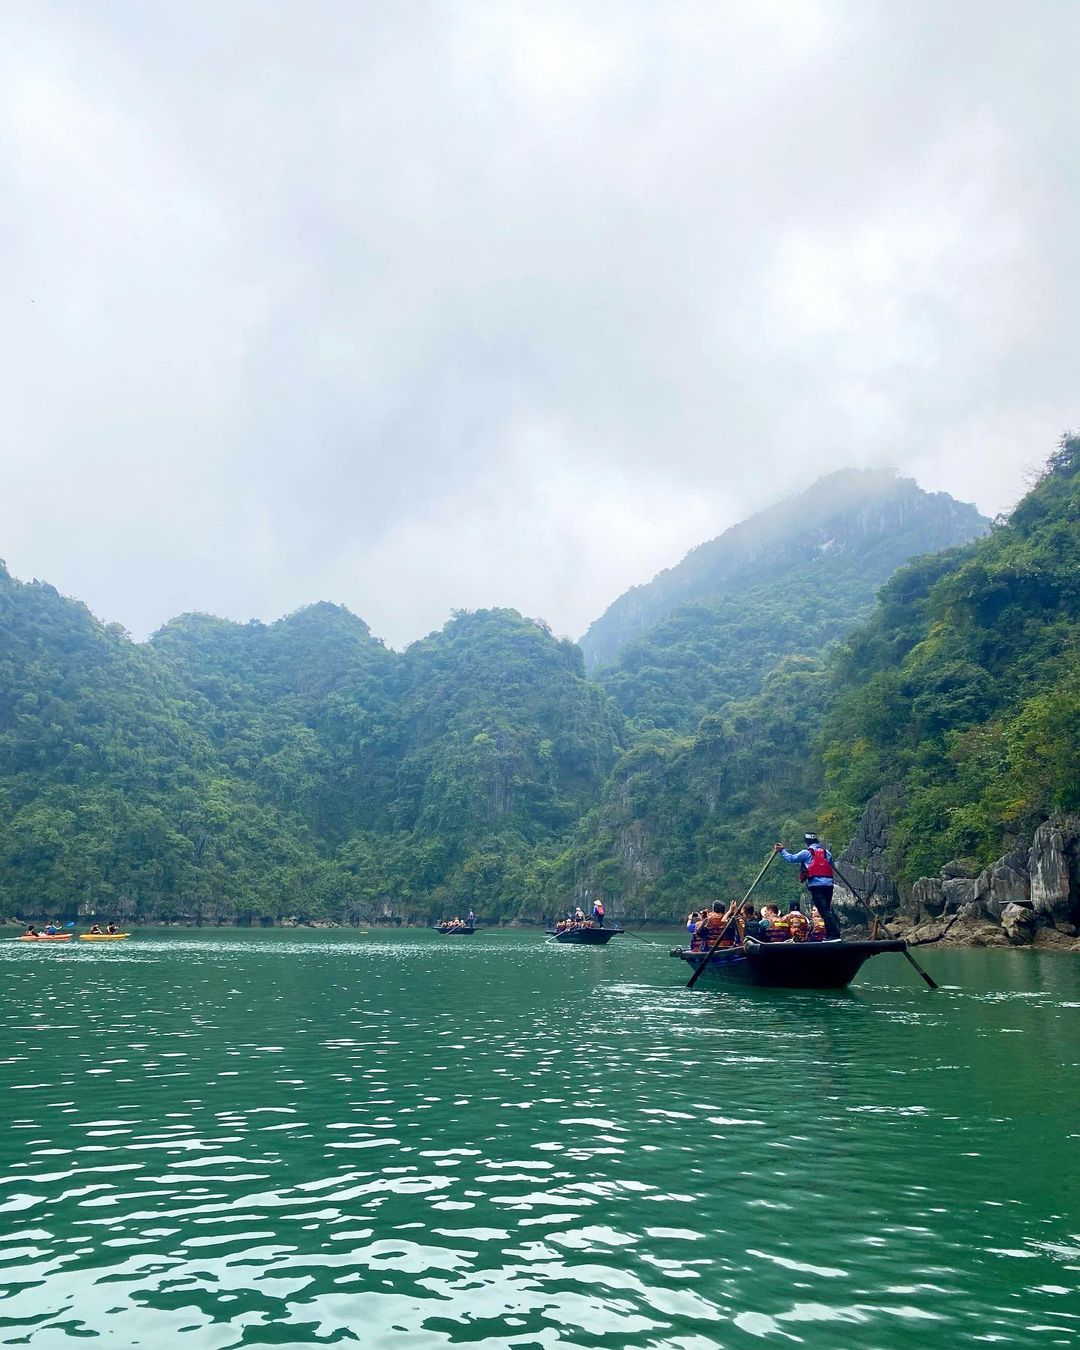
(1029, 895)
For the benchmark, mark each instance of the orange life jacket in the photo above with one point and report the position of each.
(799, 925)
(777, 930)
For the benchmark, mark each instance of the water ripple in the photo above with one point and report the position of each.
(232, 1140)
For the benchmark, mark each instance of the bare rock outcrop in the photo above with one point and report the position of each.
(1029, 895)
(1052, 868)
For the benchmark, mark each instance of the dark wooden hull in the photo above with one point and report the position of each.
(588, 937)
(791, 965)
(448, 930)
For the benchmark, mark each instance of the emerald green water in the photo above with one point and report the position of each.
(404, 1141)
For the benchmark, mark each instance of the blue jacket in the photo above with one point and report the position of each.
(803, 856)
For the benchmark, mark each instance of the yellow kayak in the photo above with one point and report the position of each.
(103, 937)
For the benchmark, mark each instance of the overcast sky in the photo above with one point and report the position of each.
(417, 306)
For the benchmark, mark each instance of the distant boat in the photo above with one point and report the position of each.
(455, 929)
(585, 936)
(103, 937)
(790, 965)
(44, 937)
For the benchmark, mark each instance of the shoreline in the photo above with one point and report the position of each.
(953, 935)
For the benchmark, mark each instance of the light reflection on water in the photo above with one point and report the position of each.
(232, 1139)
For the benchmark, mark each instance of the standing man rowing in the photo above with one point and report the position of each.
(816, 869)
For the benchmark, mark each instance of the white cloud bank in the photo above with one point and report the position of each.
(423, 306)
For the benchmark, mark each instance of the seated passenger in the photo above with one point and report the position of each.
(31, 931)
(817, 925)
(773, 927)
(798, 923)
(111, 928)
(51, 928)
(95, 928)
(718, 924)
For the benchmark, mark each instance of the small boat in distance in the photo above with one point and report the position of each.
(103, 937)
(832, 964)
(585, 934)
(455, 929)
(44, 937)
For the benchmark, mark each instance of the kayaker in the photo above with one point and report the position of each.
(111, 928)
(598, 912)
(95, 928)
(816, 870)
(31, 931)
(51, 928)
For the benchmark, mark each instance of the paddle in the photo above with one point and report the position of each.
(865, 904)
(647, 941)
(733, 908)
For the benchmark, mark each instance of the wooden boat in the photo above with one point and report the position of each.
(45, 937)
(791, 965)
(455, 929)
(103, 937)
(596, 937)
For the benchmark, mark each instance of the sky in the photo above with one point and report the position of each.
(423, 306)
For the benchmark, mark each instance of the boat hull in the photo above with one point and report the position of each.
(447, 931)
(46, 937)
(585, 937)
(791, 965)
(103, 937)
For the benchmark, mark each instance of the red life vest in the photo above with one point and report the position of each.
(818, 866)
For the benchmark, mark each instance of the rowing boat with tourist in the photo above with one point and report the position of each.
(457, 927)
(793, 950)
(577, 928)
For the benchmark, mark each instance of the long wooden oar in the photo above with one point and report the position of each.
(867, 906)
(733, 908)
(647, 941)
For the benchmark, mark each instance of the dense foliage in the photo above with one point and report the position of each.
(245, 770)
(226, 771)
(964, 687)
(689, 818)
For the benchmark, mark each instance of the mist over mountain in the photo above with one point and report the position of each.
(858, 524)
(959, 693)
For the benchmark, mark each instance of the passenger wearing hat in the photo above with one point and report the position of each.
(816, 869)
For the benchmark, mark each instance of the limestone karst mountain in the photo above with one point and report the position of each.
(790, 579)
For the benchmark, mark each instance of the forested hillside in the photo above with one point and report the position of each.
(238, 772)
(869, 515)
(790, 580)
(242, 770)
(964, 688)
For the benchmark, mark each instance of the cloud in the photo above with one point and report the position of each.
(435, 305)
